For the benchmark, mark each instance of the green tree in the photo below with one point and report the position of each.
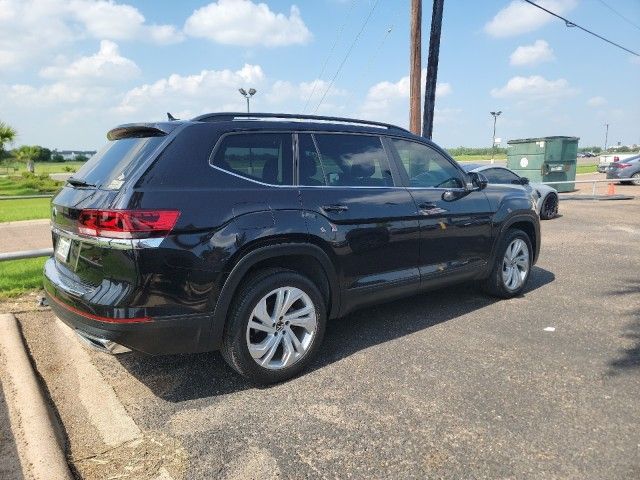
(28, 154)
(56, 157)
(45, 155)
(80, 158)
(7, 136)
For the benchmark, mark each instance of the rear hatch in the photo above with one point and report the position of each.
(93, 229)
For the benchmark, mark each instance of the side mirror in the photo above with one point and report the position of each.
(478, 180)
(524, 181)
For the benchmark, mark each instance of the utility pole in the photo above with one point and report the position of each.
(415, 72)
(495, 116)
(432, 69)
(606, 137)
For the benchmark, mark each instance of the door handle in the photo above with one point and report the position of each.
(335, 208)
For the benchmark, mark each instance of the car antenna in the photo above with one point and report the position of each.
(171, 117)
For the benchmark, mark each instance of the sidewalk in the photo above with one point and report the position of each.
(25, 235)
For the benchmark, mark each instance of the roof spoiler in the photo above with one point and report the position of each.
(141, 130)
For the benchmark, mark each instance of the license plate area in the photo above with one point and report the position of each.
(63, 248)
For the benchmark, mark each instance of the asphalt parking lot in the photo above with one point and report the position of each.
(449, 384)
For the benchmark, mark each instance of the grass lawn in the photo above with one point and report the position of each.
(40, 167)
(27, 209)
(29, 185)
(20, 276)
(587, 168)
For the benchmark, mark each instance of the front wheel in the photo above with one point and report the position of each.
(275, 327)
(549, 207)
(512, 265)
(635, 178)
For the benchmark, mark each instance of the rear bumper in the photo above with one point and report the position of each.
(617, 174)
(154, 335)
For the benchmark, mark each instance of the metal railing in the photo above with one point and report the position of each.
(40, 252)
(24, 197)
(594, 182)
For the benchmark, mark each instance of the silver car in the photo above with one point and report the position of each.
(545, 197)
(625, 170)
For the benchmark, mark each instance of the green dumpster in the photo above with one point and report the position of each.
(546, 159)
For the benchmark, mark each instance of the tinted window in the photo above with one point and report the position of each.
(427, 167)
(265, 157)
(310, 167)
(500, 175)
(113, 163)
(353, 160)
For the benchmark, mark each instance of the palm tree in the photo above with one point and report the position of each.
(28, 154)
(7, 135)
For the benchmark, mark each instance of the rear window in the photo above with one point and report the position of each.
(112, 165)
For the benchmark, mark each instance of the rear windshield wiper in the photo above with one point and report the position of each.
(78, 182)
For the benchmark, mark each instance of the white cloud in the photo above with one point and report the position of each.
(534, 87)
(107, 19)
(30, 30)
(597, 102)
(209, 90)
(242, 22)
(381, 95)
(302, 94)
(105, 65)
(519, 17)
(529, 55)
(389, 101)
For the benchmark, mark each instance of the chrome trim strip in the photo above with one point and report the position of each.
(112, 243)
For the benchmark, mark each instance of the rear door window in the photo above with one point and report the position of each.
(112, 165)
(353, 160)
(264, 157)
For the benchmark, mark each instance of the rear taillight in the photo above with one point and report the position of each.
(127, 223)
(622, 165)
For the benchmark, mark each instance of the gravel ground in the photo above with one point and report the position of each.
(449, 384)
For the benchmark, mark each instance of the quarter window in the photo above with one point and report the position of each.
(426, 167)
(353, 160)
(500, 175)
(265, 157)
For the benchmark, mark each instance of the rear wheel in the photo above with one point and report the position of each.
(549, 207)
(511, 267)
(275, 326)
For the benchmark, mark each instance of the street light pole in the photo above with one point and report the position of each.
(606, 137)
(247, 95)
(493, 143)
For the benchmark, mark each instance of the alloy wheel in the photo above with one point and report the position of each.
(515, 264)
(281, 328)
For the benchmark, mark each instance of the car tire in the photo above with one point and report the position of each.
(549, 208)
(256, 300)
(635, 178)
(498, 283)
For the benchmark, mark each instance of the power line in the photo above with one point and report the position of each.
(344, 60)
(326, 61)
(569, 23)
(364, 73)
(619, 14)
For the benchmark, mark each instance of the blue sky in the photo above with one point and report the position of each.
(72, 69)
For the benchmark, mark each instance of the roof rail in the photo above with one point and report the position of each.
(227, 116)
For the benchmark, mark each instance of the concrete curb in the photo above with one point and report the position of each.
(41, 455)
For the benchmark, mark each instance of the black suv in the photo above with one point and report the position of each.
(245, 233)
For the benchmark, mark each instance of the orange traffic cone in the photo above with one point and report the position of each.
(612, 189)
